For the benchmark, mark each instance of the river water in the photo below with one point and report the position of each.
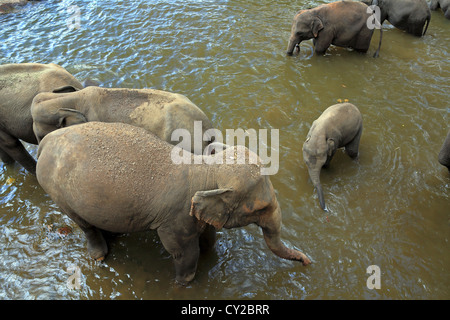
(390, 208)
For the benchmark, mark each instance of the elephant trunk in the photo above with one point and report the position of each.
(315, 179)
(271, 227)
(291, 46)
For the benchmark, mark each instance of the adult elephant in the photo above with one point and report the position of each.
(444, 154)
(19, 84)
(157, 111)
(340, 125)
(443, 4)
(121, 178)
(411, 16)
(341, 23)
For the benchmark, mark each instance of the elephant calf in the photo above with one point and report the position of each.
(19, 84)
(444, 154)
(157, 111)
(340, 125)
(342, 23)
(121, 178)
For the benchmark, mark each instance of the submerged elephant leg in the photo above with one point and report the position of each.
(352, 148)
(15, 150)
(4, 156)
(96, 243)
(207, 238)
(184, 251)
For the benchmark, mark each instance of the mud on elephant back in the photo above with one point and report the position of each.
(120, 178)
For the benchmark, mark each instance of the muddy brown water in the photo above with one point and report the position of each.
(391, 208)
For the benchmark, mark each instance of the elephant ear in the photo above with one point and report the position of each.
(317, 25)
(70, 117)
(65, 89)
(210, 206)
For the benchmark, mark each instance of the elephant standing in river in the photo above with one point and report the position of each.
(121, 178)
(19, 84)
(408, 15)
(340, 125)
(157, 111)
(341, 23)
(443, 4)
(444, 154)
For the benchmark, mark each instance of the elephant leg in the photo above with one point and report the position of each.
(5, 157)
(352, 148)
(207, 238)
(185, 252)
(15, 150)
(322, 43)
(96, 243)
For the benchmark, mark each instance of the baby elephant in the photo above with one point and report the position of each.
(339, 126)
(342, 23)
(444, 154)
(157, 111)
(121, 178)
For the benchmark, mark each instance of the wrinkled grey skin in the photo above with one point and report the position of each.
(120, 178)
(412, 16)
(444, 153)
(19, 84)
(341, 23)
(157, 111)
(340, 125)
(443, 4)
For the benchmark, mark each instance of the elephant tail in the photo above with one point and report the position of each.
(377, 53)
(426, 27)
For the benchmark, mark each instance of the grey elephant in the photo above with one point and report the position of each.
(340, 125)
(411, 16)
(121, 178)
(341, 23)
(157, 111)
(19, 84)
(443, 4)
(444, 153)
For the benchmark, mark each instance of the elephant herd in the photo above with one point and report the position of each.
(104, 155)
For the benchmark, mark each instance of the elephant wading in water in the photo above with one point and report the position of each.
(341, 23)
(443, 4)
(121, 178)
(19, 84)
(444, 154)
(408, 15)
(157, 111)
(340, 125)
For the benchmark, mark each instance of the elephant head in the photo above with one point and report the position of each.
(316, 154)
(48, 116)
(306, 26)
(244, 196)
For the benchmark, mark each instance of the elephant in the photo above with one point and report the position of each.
(408, 15)
(19, 84)
(443, 4)
(121, 178)
(341, 23)
(340, 125)
(157, 111)
(444, 153)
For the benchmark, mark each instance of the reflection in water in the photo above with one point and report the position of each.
(388, 208)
